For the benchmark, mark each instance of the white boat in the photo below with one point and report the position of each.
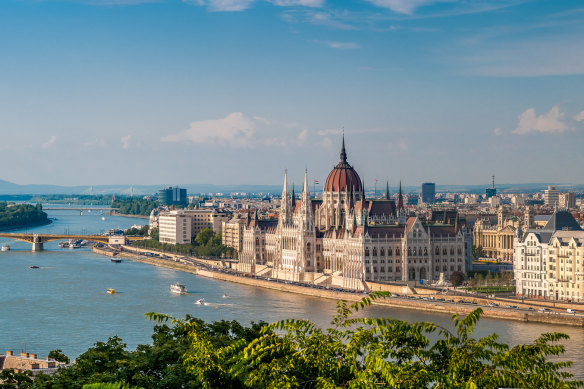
(103, 218)
(178, 288)
(5, 247)
(225, 296)
(200, 302)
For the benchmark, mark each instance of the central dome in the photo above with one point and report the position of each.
(343, 178)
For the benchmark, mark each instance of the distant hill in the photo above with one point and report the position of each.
(9, 188)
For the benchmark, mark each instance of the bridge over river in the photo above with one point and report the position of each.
(38, 240)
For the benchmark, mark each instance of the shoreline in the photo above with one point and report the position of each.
(499, 313)
(25, 226)
(134, 216)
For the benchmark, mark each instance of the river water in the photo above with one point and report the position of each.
(63, 304)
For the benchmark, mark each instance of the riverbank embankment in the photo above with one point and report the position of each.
(430, 303)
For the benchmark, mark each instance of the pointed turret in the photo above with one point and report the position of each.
(387, 190)
(343, 152)
(293, 198)
(400, 197)
(285, 204)
(306, 204)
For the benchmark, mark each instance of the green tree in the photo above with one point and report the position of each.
(371, 353)
(456, 278)
(58, 356)
(204, 236)
(11, 379)
(477, 252)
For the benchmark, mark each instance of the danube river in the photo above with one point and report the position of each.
(63, 304)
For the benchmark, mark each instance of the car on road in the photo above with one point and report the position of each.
(570, 310)
(508, 306)
(544, 309)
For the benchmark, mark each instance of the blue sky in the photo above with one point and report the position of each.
(235, 91)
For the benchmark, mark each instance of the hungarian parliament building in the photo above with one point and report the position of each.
(346, 240)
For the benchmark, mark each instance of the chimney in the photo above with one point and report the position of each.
(23, 354)
(9, 352)
(33, 356)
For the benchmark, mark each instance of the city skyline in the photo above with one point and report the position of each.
(216, 91)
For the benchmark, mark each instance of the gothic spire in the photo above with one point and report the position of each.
(400, 198)
(343, 153)
(293, 197)
(387, 190)
(285, 189)
(305, 189)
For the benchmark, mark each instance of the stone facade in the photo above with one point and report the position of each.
(496, 240)
(345, 239)
(549, 261)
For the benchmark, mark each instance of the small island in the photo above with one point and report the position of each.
(14, 216)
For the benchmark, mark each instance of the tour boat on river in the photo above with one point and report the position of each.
(178, 288)
(5, 247)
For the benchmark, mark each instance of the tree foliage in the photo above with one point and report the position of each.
(134, 206)
(205, 244)
(456, 278)
(58, 356)
(354, 352)
(477, 251)
(18, 215)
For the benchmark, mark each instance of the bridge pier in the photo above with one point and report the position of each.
(37, 243)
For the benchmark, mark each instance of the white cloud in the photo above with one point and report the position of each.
(406, 7)
(303, 135)
(126, 142)
(50, 143)
(242, 5)
(237, 130)
(304, 3)
(339, 45)
(497, 131)
(399, 144)
(550, 122)
(223, 5)
(327, 142)
(579, 117)
(97, 143)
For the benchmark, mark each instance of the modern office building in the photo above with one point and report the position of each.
(551, 196)
(175, 227)
(172, 196)
(428, 193)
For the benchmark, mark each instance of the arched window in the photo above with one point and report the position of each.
(452, 251)
(367, 251)
(374, 251)
(389, 254)
(382, 252)
(444, 251)
(425, 250)
(459, 251)
(409, 251)
(397, 251)
(437, 251)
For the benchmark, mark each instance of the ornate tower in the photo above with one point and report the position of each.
(285, 216)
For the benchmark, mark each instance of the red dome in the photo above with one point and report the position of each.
(343, 178)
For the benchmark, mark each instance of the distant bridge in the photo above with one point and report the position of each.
(78, 209)
(38, 240)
